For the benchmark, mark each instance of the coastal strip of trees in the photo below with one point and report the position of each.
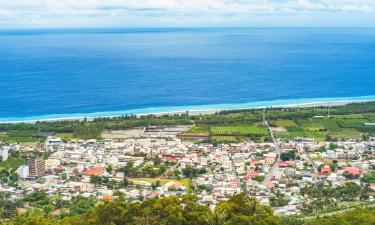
(92, 128)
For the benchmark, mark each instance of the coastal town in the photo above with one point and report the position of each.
(159, 161)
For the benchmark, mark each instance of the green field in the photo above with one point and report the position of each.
(339, 127)
(65, 136)
(231, 134)
(346, 133)
(311, 125)
(21, 136)
(316, 135)
(200, 129)
(285, 123)
(239, 130)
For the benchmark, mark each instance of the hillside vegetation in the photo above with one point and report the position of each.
(238, 210)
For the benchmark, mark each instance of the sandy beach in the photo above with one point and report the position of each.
(189, 109)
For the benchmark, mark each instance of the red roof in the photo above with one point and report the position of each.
(251, 175)
(283, 164)
(353, 170)
(93, 171)
(233, 181)
(253, 162)
(170, 159)
(325, 169)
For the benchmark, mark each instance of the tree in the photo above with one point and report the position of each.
(241, 209)
(358, 216)
(87, 131)
(95, 179)
(176, 172)
(291, 220)
(192, 172)
(7, 207)
(333, 146)
(278, 201)
(156, 161)
(259, 178)
(155, 185)
(321, 149)
(109, 169)
(128, 170)
(286, 156)
(4, 176)
(369, 178)
(80, 205)
(33, 220)
(193, 212)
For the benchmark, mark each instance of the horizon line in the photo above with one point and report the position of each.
(186, 27)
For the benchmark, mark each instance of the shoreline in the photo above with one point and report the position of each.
(193, 110)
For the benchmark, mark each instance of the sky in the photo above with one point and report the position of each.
(186, 13)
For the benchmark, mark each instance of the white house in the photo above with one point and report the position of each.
(23, 171)
(4, 153)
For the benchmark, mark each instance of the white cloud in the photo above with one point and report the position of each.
(103, 12)
(306, 4)
(361, 8)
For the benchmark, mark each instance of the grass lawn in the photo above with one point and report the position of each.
(311, 125)
(20, 136)
(346, 133)
(65, 136)
(330, 125)
(285, 123)
(185, 182)
(370, 117)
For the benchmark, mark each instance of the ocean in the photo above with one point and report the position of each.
(46, 74)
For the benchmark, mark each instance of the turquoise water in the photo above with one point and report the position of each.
(51, 74)
(194, 108)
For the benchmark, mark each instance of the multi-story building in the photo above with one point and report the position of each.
(23, 171)
(37, 167)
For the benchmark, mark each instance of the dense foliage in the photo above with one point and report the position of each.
(239, 210)
(326, 196)
(289, 155)
(356, 217)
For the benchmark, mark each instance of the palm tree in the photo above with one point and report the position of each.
(217, 217)
(244, 207)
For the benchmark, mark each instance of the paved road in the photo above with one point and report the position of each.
(275, 166)
(313, 165)
(239, 183)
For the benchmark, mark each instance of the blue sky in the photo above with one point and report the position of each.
(186, 13)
